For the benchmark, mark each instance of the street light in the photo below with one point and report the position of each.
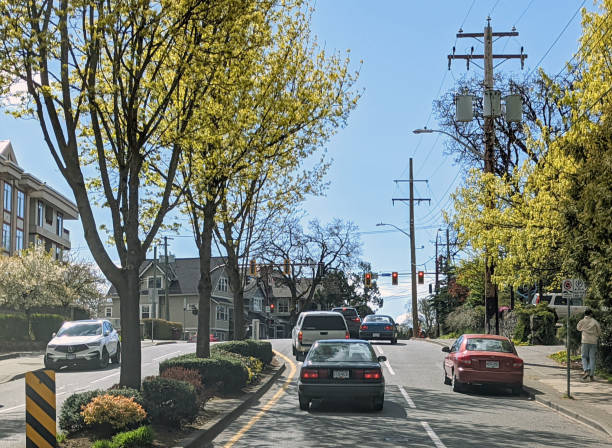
(470, 148)
(394, 226)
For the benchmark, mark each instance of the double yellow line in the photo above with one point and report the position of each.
(269, 404)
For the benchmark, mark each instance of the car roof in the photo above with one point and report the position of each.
(344, 341)
(343, 308)
(85, 321)
(379, 315)
(320, 313)
(485, 336)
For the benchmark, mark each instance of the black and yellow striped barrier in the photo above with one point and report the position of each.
(40, 409)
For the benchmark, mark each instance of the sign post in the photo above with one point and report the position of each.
(572, 288)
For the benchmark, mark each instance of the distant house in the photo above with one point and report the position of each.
(32, 212)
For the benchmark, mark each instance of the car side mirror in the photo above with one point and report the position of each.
(53, 334)
(446, 349)
(106, 333)
(382, 358)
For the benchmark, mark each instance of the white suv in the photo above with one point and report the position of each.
(83, 342)
(558, 303)
(314, 326)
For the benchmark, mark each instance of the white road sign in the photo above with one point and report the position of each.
(573, 288)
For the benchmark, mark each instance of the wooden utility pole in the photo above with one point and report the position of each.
(491, 303)
(166, 302)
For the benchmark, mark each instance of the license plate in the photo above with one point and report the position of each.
(70, 356)
(492, 364)
(375, 335)
(341, 374)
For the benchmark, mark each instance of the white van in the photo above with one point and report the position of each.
(557, 302)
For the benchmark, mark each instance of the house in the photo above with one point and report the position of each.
(32, 212)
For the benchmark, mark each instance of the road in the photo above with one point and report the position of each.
(67, 382)
(420, 411)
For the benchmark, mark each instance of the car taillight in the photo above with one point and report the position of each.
(309, 374)
(356, 319)
(300, 334)
(388, 327)
(464, 360)
(364, 327)
(347, 335)
(517, 363)
(372, 374)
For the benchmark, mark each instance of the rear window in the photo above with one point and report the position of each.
(489, 345)
(346, 312)
(342, 352)
(375, 318)
(323, 323)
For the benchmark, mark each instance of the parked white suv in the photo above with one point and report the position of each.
(314, 326)
(558, 303)
(83, 342)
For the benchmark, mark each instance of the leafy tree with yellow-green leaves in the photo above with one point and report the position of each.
(114, 85)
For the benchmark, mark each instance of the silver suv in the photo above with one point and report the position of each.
(314, 326)
(92, 342)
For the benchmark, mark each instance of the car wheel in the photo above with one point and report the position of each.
(458, 386)
(49, 364)
(103, 359)
(517, 389)
(116, 358)
(378, 403)
(304, 402)
(394, 341)
(447, 380)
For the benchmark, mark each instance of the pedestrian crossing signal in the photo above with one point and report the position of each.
(368, 280)
(253, 268)
(287, 267)
(394, 278)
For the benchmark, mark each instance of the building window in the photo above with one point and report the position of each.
(8, 197)
(49, 215)
(6, 236)
(58, 253)
(222, 285)
(19, 240)
(60, 224)
(155, 282)
(108, 311)
(283, 306)
(221, 312)
(257, 304)
(20, 204)
(40, 213)
(145, 311)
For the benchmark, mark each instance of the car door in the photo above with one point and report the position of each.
(449, 361)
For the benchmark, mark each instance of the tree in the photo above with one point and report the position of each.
(427, 310)
(82, 284)
(104, 80)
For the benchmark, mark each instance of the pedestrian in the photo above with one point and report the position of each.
(590, 334)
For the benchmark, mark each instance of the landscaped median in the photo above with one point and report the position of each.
(172, 406)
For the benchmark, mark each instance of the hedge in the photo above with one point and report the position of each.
(261, 350)
(219, 368)
(535, 324)
(162, 329)
(137, 438)
(169, 401)
(14, 327)
(43, 325)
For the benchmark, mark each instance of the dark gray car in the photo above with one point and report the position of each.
(353, 322)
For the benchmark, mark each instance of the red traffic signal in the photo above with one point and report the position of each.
(394, 278)
(421, 276)
(271, 307)
(368, 279)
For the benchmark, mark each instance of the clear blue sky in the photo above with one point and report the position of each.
(403, 45)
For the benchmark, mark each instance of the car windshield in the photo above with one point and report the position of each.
(323, 323)
(342, 352)
(381, 319)
(84, 329)
(489, 345)
(347, 312)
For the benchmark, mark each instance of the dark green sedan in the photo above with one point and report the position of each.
(341, 369)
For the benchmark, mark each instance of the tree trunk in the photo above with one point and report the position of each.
(205, 283)
(129, 299)
(233, 270)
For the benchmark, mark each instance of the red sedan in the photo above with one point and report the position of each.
(483, 359)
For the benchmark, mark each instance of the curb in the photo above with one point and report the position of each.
(9, 356)
(562, 410)
(203, 437)
(12, 355)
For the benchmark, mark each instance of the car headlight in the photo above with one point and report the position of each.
(51, 346)
(97, 343)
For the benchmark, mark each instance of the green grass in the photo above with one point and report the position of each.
(60, 437)
(449, 336)
(605, 375)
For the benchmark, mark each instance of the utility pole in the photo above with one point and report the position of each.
(491, 305)
(154, 292)
(436, 287)
(166, 302)
(412, 200)
(447, 252)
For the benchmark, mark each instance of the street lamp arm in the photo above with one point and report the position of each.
(394, 226)
(465, 145)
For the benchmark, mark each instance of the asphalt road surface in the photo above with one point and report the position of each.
(67, 382)
(419, 411)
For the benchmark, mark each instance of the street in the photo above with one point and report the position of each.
(419, 411)
(68, 382)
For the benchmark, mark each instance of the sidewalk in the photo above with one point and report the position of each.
(14, 366)
(545, 381)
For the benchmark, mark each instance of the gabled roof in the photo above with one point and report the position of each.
(6, 151)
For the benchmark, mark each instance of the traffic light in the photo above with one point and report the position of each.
(394, 278)
(421, 276)
(271, 307)
(253, 268)
(287, 267)
(368, 280)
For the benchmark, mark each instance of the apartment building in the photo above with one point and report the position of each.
(32, 212)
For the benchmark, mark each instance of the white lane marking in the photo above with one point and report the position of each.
(61, 393)
(389, 367)
(407, 397)
(10, 409)
(379, 349)
(433, 436)
(167, 354)
(105, 377)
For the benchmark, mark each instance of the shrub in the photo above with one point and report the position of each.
(190, 376)
(535, 324)
(604, 354)
(113, 410)
(466, 319)
(140, 437)
(43, 325)
(575, 337)
(162, 329)
(261, 350)
(169, 401)
(13, 327)
(220, 368)
(102, 444)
